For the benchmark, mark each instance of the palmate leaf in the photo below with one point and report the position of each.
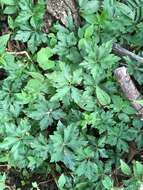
(45, 112)
(39, 152)
(102, 120)
(17, 141)
(66, 46)
(98, 60)
(67, 95)
(75, 87)
(65, 143)
(29, 23)
(120, 135)
(86, 166)
(65, 82)
(8, 102)
(34, 89)
(32, 37)
(87, 169)
(30, 10)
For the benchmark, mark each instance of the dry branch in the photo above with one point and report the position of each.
(20, 53)
(120, 51)
(129, 89)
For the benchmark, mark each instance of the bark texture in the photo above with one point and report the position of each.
(129, 89)
(59, 9)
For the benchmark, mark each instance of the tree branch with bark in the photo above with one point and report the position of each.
(129, 89)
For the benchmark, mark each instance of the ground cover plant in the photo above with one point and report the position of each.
(64, 121)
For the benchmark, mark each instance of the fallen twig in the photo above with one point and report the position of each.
(43, 182)
(120, 51)
(129, 89)
(19, 53)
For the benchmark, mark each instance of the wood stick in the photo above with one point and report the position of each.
(120, 51)
(129, 89)
(20, 53)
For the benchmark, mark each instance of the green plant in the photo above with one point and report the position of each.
(2, 182)
(26, 20)
(62, 113)
(135, 176)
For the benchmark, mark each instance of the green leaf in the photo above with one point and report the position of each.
(59, 86)
(102, 96)
(37, 75)
(139, 102)
(11, 22)
(3, 42)
(35, 85)
(8, 2)
(43, 58)
(125, 168)
(107, 182)
(45, 112)
(88, 169)
(75, 94)
(61, 93)
(89, 7)
(10, 10)
(138, 169)
(8, 142)
(35, 185)
(89, 31)
(23, 35)
(65, 143)
(2, 181)
(61, 181)
(82, 186)
(126, 10)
